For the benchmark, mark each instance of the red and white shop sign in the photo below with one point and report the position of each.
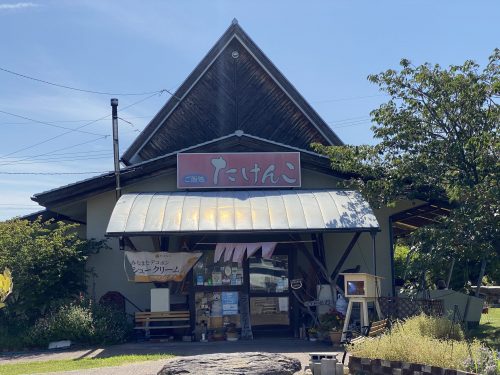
(238, 170)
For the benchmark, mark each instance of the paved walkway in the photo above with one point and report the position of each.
(299, 349)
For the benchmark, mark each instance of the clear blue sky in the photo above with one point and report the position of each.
(325, 48)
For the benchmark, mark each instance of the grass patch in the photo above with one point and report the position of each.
(488, 330)
(76, 364)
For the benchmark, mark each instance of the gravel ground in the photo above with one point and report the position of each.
(299, 349)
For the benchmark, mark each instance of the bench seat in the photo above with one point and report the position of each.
(148, 321)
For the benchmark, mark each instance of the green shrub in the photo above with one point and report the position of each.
(110, 325)
(421, 340)
(12, 338)
(47, 261)
(70, 322)
(434, 327)
(81, 322)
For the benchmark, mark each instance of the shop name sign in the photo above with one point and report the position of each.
(238, 170)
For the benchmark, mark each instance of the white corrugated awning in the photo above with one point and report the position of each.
(241, 211)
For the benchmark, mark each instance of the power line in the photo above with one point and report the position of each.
(78, 89)
(64, 121)
(60, 149)
(49, 124)
(75, 129)
(348, 98)
(53, 160)
(357, 118)
(21, 208)
(351, 125)
(64, 155)
(19, 204)
(53, 173)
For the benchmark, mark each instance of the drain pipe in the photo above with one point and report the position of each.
(116, 155)
(114, 108)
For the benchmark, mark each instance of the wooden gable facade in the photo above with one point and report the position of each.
(235, 87)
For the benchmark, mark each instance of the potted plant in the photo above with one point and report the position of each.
(313, 334)
(331, 323)
(232, 332)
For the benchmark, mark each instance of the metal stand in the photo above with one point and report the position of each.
(363, 301)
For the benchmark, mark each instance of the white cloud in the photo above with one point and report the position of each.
(17, 6)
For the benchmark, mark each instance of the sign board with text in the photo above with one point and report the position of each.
(161, 266)
(238, 170)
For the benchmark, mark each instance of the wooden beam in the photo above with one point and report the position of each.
(344, 256)
(404, 226)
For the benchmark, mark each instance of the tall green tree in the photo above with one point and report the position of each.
(438, 140)
(47, 259)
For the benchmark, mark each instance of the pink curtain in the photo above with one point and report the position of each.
(228, 254)
(219, 250)
(239, 253)
(268, 249)
(252, 248)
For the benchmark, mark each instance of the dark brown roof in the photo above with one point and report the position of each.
(236, 142)
(405, 222)
(224, 94)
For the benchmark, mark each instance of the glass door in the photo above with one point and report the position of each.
(269, 293)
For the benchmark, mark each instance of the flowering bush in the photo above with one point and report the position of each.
(331, 321)
(484, 361)
(424, 340)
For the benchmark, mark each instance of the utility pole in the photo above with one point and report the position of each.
(116, 151)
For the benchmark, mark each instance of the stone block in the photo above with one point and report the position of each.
(366, 361)
(396, 364)
(249, 363)
(385, 363)
(328, 366)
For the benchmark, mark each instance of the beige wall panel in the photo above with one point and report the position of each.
(108, 265)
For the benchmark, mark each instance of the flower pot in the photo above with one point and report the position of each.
(335, 337)
(232, 336)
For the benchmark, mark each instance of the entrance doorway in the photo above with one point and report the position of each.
(269, 294)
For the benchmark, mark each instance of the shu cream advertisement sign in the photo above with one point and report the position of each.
(161, 266)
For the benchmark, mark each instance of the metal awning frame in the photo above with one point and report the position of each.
(270, 231)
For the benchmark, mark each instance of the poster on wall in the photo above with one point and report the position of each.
(160, 266)
(229, 303)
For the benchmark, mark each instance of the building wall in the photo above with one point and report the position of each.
(108, 267)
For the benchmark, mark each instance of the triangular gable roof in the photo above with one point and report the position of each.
(234, 87)
(233, 142)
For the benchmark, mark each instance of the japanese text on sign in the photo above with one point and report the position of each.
(250, 170)
(161, 266)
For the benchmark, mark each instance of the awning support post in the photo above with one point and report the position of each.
(344, 256)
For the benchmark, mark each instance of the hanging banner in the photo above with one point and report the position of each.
(238, 170)
(160, 266)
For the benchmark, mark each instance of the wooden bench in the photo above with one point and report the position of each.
(369, 332)
(161, 320)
